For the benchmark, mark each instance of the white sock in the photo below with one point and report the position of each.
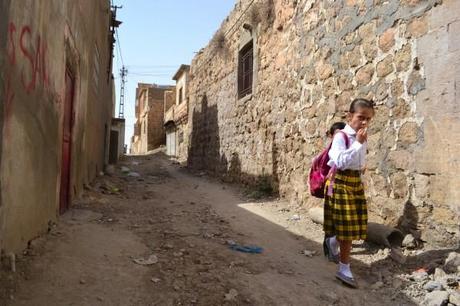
(345, 269)
(334, 245)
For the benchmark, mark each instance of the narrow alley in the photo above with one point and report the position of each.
(213, 152)
(153, 233)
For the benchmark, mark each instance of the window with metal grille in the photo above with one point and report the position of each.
(245, 64)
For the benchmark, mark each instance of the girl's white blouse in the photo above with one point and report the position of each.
(352, 158)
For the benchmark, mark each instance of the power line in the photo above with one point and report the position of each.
(152, 66)
(119, 47)
(118, 58)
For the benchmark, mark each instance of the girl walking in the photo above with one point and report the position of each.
(345, 211)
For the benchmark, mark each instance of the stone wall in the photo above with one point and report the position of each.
(156, 130)
(170, 99)
(311, 58)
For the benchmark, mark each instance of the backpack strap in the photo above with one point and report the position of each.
(331, 174)
(345, 137)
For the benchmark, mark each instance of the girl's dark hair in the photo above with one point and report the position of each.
(360, 102)
(336, 126)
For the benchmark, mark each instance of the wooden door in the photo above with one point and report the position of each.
(66, 142)
(113, 152)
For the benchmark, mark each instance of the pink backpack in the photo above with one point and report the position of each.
(320, 171)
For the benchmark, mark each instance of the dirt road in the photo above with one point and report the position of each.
(183, 224)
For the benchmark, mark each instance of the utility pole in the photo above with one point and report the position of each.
(121, 110)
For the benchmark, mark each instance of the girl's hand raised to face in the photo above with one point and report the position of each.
(361, 135)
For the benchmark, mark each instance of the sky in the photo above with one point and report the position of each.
(156, 37)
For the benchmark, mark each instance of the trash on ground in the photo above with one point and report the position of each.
(246, 248)
(308, 253)
(125, 169)
(294, 218)
(152, 259)
(134, 174)
(231, 242)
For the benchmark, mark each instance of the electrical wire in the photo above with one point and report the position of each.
(119, 47)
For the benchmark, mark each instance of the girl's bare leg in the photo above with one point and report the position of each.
(345, 250)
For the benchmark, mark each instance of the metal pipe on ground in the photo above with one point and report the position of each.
(380, 234)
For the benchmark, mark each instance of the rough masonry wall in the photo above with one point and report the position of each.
(169, 99)
(156, 130)
(43, 38)
(311, 59)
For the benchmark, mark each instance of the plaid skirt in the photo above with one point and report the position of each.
(345, 212)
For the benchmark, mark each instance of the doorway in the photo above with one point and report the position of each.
(64, 197)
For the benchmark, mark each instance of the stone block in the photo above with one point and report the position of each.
(373, 159)
(408, 133)
(343, 62)
(370, 49)
(410, 2)
(421, 184)
(439, 187)
(380, 120)
(415, 83)
(367, 31)
(350, 38)
(373, 141)
(417, 27)
(387, 40)
(389, 138)
(401, 109)
(397, 88)
(329, 87)
(389, 209)
(444, 216)
(324, 71)
(364, 74)
(345, 82)
(312, 126)
(381, 92)
(379, 185)
(403, 58)
(400, 160)
(343, 101)
(385, 67)
(454, 298)
(399, 185)
(354, 57)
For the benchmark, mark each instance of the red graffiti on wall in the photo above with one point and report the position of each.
(36, 61)
(31, 50)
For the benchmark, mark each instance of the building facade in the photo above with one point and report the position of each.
(278, 73)
(57, 98)
(176, 116)
(149, 132)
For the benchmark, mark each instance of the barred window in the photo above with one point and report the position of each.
(245, 65)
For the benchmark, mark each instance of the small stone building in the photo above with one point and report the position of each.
(149, 132)
(278, 73)
(176, 116)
